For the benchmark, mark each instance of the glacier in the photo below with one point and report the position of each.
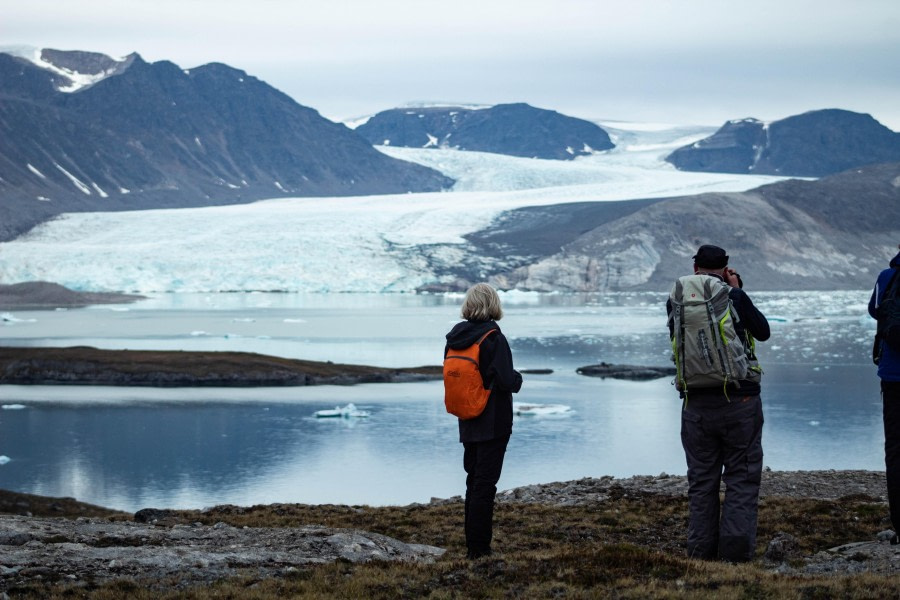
(346, 244)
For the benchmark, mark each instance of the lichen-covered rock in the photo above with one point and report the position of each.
(782, 547)
(103, 549)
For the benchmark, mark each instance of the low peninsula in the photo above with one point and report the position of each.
(84, 365)
(44, 295)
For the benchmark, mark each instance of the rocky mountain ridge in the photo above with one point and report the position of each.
(513, 129)
(84, 132)
(813, 144)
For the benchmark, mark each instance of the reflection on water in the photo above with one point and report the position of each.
(131, 448)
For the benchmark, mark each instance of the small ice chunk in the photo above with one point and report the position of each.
(10, 318)
(525, 409)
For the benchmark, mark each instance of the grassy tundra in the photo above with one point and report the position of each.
(628, 546)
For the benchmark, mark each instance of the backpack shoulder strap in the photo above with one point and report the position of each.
(482, 338)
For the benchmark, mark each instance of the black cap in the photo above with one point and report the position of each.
(711, 257)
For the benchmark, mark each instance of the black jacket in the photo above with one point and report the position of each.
(496, 366)
(750, 320)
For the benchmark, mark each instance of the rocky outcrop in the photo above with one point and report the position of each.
(90, 366)
(153, 135)
(513, 129)
(83, 549)
(814, 144)
(834, 233)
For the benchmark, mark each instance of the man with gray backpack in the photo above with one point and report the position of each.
(714, 326)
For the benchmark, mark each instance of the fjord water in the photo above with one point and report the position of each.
(131, 448)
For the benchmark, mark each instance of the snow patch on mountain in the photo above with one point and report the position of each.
(77, 80)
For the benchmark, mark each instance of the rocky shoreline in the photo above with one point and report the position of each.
(160, 544)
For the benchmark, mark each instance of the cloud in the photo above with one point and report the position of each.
(346, 57)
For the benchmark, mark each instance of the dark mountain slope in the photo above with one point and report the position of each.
(154, 135)
(834, 233)
(514, 129)
(813, 144)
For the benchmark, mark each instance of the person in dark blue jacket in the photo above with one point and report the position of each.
(485, 437)
(889, 372)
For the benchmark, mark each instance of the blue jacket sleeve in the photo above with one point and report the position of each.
(878, 293)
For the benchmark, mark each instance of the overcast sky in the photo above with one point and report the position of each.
(672, 61)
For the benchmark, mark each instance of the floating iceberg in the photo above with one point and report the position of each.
(4, 459)
(534, 410)
(10, 318)
(12, 406)
(347, 412)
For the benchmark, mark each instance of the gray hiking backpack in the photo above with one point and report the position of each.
(706, 348)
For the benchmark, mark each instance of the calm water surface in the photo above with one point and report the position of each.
(130, 448)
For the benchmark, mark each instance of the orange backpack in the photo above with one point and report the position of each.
(464, 393)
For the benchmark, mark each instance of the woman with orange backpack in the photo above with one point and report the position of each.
(485, 435)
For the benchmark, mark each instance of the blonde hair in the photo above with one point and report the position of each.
(481, 304)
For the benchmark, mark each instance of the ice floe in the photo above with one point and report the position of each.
(524, 409)
(346, 412)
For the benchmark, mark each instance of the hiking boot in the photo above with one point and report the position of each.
(476, 554)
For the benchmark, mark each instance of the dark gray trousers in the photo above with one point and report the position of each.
(890, 396)
(483, 462)
(723, 442)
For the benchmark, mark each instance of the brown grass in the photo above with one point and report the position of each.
(630, 546)
(15, 503)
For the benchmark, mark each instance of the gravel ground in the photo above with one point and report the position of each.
(823, 485)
